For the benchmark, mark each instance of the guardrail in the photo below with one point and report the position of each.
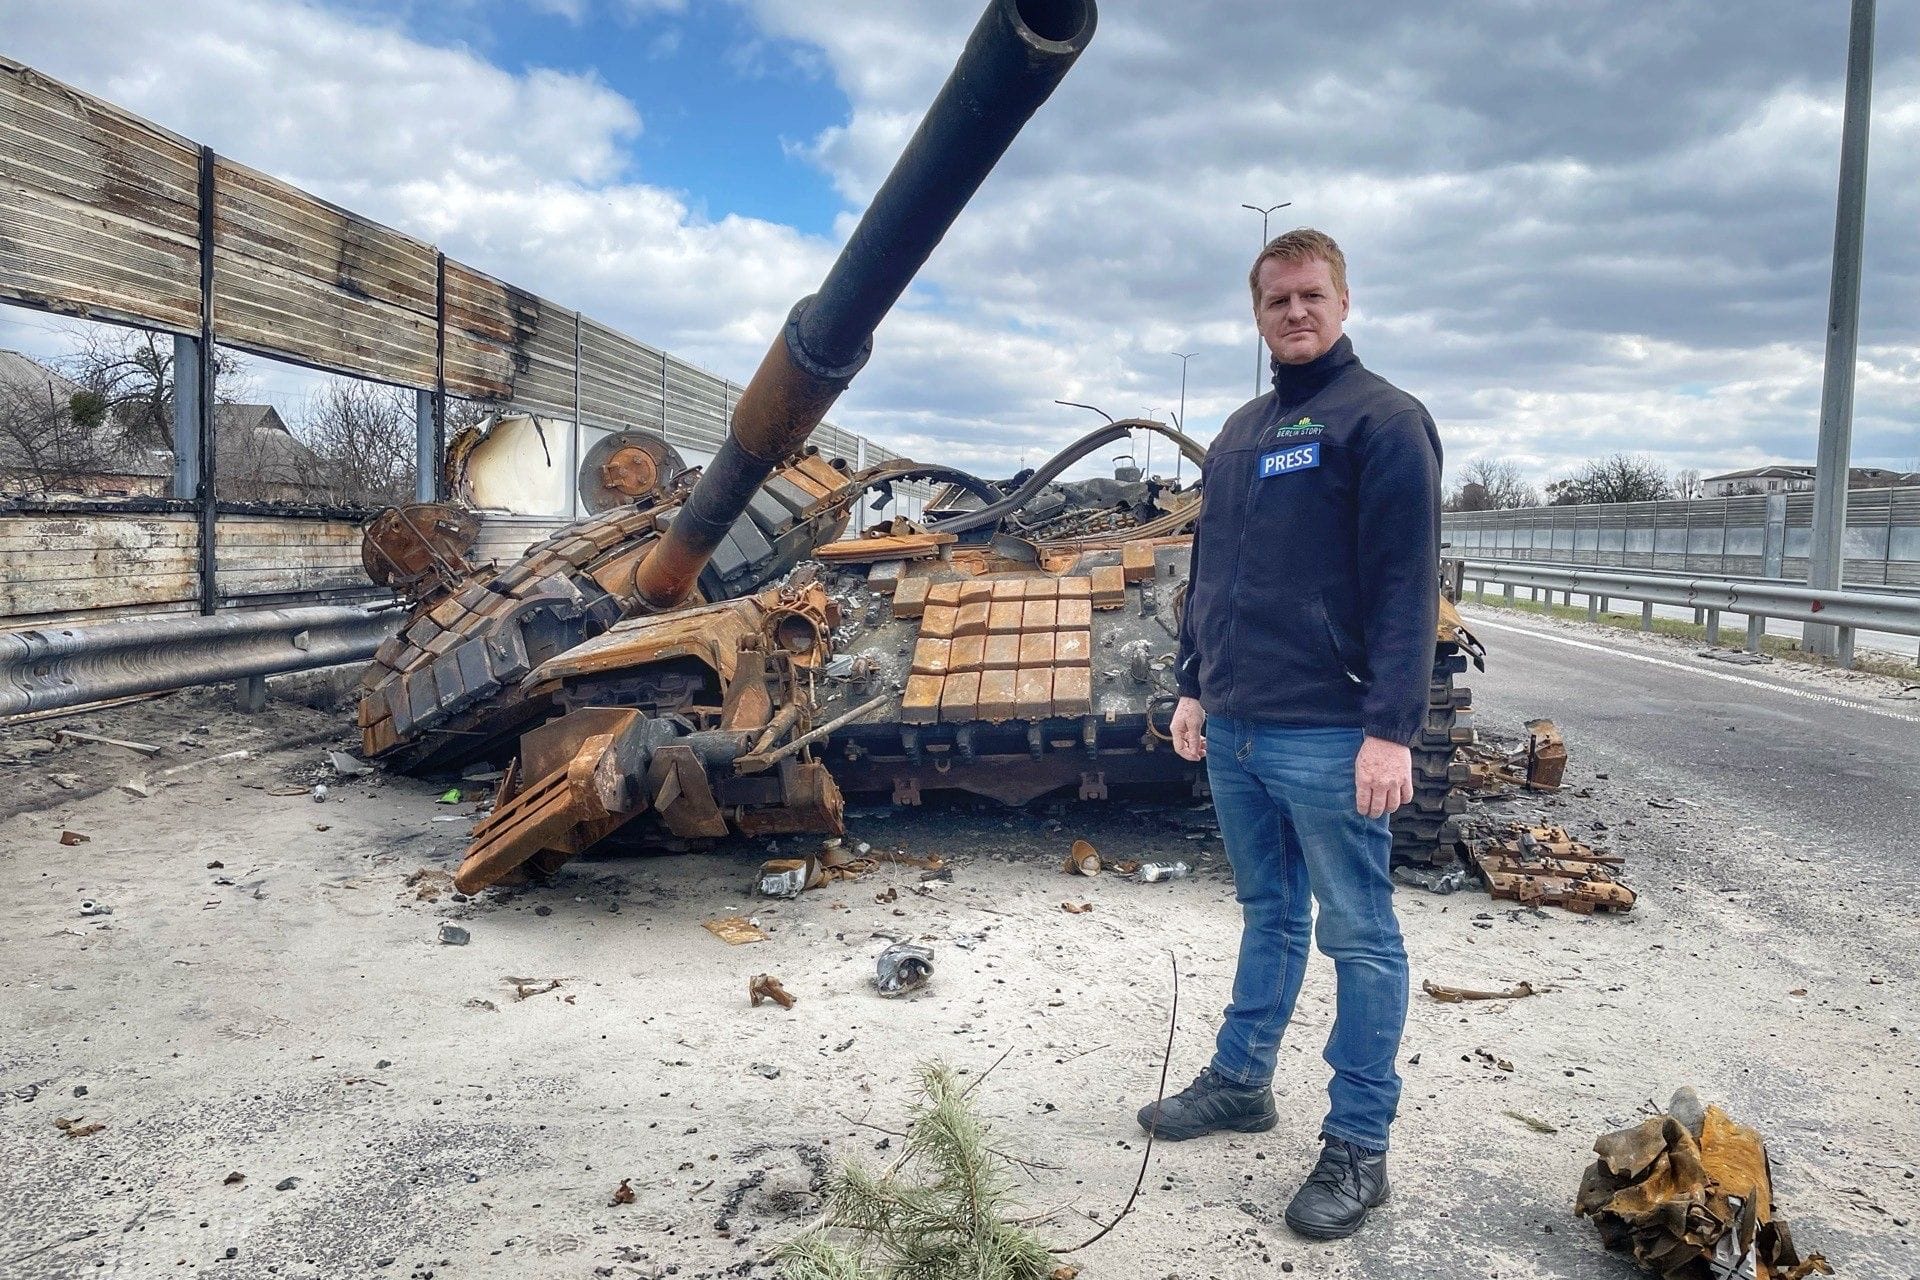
(1756, 600)
(46, 668)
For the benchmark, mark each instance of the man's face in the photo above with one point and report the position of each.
(1300, 312)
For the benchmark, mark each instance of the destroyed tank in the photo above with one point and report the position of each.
(1025, 645)
(703, 659)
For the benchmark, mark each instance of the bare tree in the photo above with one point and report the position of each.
(1618, 477)
(1686, 483)
(1487, 484)
(131, 372)
(50, 439)
(364, 436)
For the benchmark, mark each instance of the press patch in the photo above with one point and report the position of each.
(1298, 458)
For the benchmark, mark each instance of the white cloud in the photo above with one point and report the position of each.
(1571, 230)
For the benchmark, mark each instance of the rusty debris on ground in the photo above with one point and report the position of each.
(622, 1194)
(527, 988)
(1539, 763)
(1082, 860)
(734, 930)
(1536, 865)
(1689, 1194)
(1459, 995)
(763, 987)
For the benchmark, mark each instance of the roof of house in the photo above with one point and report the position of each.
(252, 437)
(1773, 471)
(17, 370)
(1795, 471)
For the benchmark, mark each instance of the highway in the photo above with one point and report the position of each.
(1767, 815)
(1824, 767)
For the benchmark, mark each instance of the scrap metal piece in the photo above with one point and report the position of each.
(1546, 756)
(1535, 865)
(735, 931)
(763, 987)
(1082, 860)
(418, 547)
(625, 466)
(1692, 1205)
(902, 967)
(1459, 995)
(663, 713)
(873, 548)
(563, 809)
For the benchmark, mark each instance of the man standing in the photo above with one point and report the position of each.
(1305, 654)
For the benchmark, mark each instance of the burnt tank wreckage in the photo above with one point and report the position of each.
(701, 657)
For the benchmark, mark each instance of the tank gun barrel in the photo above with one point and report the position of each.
(1015, 57)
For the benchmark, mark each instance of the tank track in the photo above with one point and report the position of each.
(440, 693)
(1426, 831)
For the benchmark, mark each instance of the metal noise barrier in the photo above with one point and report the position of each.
(1864, 611)
(45, 668)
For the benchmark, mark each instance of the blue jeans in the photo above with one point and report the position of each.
(1285, 801)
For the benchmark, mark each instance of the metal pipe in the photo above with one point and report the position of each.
(63, 666)
(1015, 57)
(757, 762)
(992, 513)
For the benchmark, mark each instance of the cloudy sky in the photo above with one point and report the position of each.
(1574, 227)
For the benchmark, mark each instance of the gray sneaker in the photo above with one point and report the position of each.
(1210, 1105)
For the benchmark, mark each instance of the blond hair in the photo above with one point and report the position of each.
(1302, 244)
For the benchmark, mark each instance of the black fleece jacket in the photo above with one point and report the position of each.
(1313, 590)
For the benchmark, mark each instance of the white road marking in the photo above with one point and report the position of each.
(1480, 620)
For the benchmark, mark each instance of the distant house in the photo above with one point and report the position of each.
(1785, 478)
(259, 459)
(51, 446)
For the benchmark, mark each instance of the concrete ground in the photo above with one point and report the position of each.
(269, 998)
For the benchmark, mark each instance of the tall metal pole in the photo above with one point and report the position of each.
(1183, 357)
(207, 484)
(1843, 329)
(1259, 343)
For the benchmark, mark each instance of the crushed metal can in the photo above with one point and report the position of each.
(903, 967)
(1154, 872)
(1690, 1194)
(790, 883)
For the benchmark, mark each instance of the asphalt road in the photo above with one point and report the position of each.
(1824, 768)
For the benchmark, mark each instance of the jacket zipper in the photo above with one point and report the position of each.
(1239, 548)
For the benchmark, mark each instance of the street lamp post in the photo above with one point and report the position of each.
(1178, 456)
(1259, 345)
(1833, 461)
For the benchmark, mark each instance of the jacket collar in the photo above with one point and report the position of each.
(1294, 383)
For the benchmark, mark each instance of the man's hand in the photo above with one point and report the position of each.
(1382, 774)
(1190, 731)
